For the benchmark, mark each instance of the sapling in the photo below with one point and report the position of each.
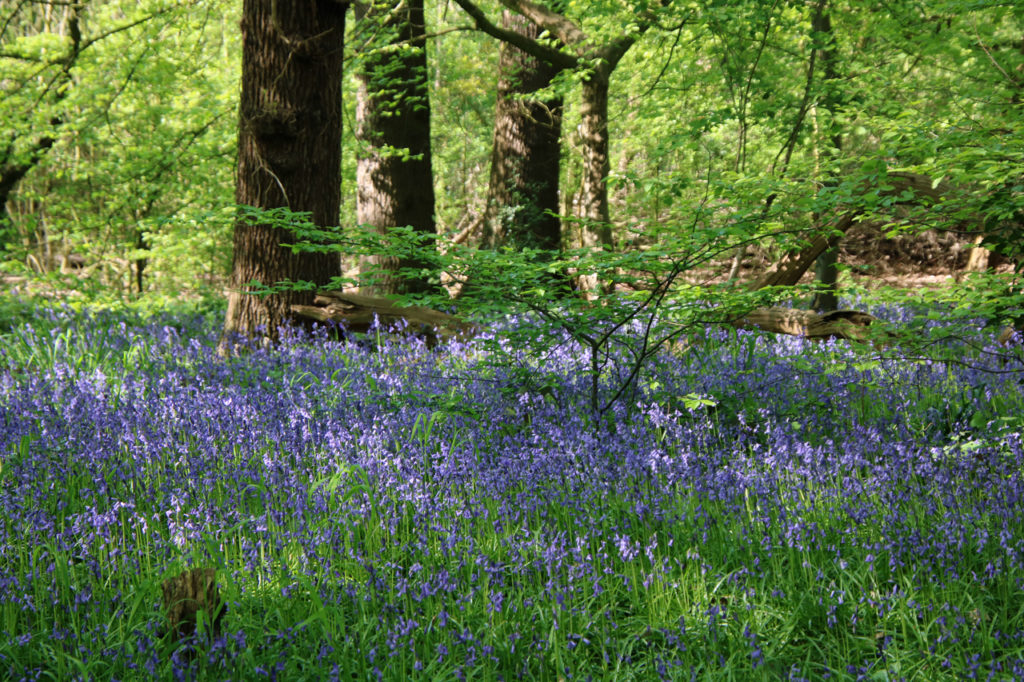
(645, 304)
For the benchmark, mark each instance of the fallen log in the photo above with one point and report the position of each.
(836, 324)
(358, 313)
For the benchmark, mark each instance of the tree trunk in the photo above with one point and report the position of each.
(595, 230)
(827, 264)
(826, 271)
(594, 212)
(141, 244)
(188, 593)
(522, 201)
(289, 151)
(395, 182)
(596, 165)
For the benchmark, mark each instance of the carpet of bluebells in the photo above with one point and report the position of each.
(758, 508)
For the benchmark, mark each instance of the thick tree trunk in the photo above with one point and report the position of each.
(395, 182)
(593, 212)
(289, 151)
(522, 201)
(596, 165)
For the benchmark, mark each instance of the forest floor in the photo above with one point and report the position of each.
(761, 508)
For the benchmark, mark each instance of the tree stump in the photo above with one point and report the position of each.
(188, 593)
(977, 257)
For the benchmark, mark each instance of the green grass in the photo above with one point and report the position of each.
(421, 547)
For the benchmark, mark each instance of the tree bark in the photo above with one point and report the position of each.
(826, 272)
(594, 230)
(289, 152)
(827, 264)
(522, 201)
(835, 324)
(188, 593)
(360, 314)
(593, 211)
(596, 165)
(395, 181)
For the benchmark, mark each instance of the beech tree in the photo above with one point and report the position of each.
(595, 61)
(289, 153)
(394, 177)
(522, 198)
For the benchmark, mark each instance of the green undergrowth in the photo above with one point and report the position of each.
(367, 524)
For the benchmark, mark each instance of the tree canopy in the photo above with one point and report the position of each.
(754, 126)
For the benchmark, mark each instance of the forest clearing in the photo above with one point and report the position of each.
(511, 340)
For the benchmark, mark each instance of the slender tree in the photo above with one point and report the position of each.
(827, 266)
(595, 62)
(395, 181)
(289, 151)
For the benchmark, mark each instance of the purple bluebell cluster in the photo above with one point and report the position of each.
(761, 506)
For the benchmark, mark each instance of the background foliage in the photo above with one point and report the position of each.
(719, 103)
